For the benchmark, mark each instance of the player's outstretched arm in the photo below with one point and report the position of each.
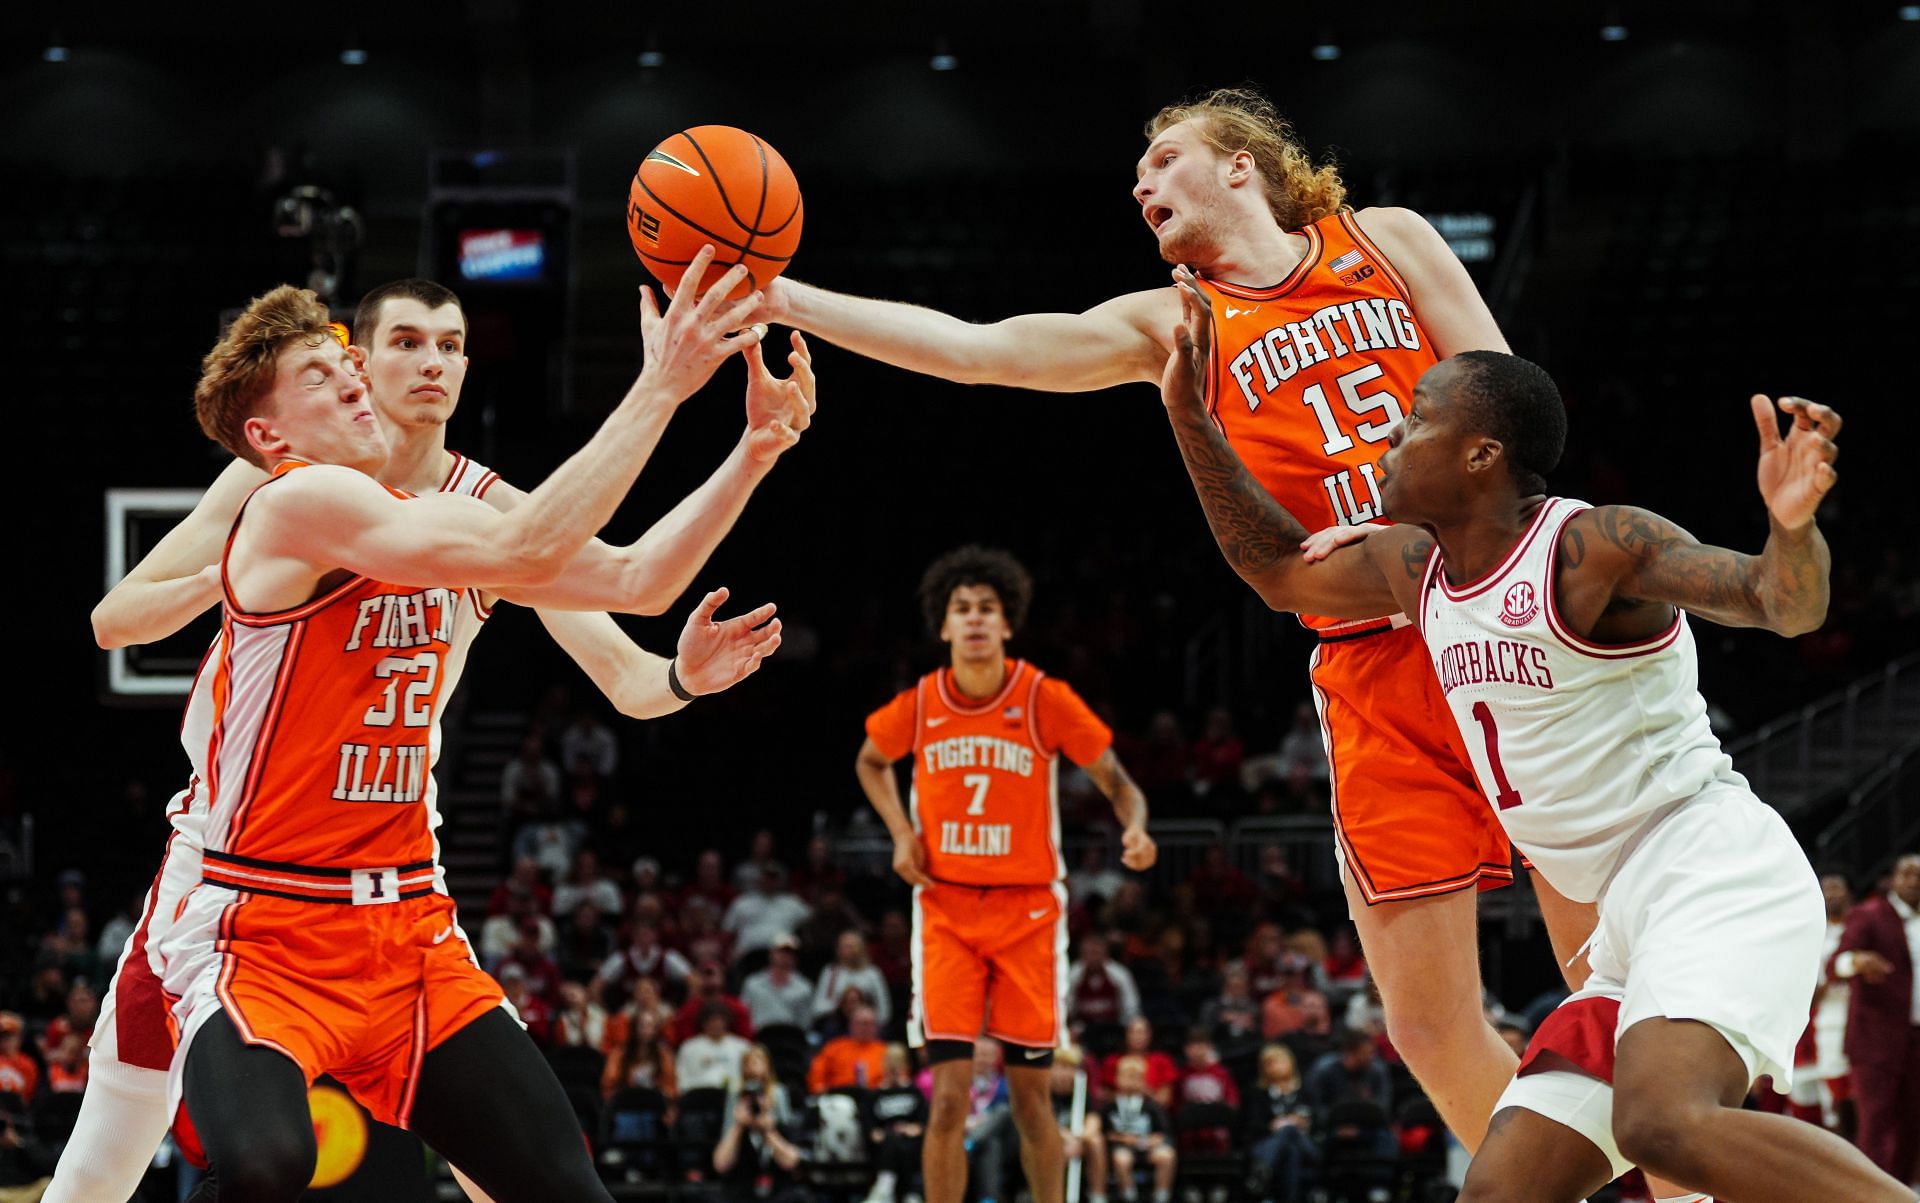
(649, 575)
(180, 577)
(1259, 538)
(1110, 777)
(1451, 308)
(1784, 588)
(1112, 343)
(875, 772)
(712, 655)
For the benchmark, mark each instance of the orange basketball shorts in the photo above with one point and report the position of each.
(1407, 811)
(358, 992)
(989, 959)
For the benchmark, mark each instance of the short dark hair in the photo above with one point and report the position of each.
(1515, 401)
(1355, 1040)
(366, 316)
(975, 565)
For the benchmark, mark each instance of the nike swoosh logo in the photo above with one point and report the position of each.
(1232, 312)
(1039, 914)
(935, 722)
(661, 156)
(442, 937)
(1034, 1054)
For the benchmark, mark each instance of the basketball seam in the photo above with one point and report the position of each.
(683, 219)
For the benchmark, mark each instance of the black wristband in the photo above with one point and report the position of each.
(673, 681)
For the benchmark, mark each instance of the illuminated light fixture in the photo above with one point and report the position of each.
(1910, 12)
(55, 54)
(652, 58)
(943, 58)
(1325, 52)
(1613, 33)
(354, 56)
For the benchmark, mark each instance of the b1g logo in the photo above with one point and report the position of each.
(1519, 606)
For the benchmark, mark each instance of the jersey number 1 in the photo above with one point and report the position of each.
(1508, 797)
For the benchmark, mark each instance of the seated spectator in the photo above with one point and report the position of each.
(530, 783)
(853, 1061)
(1080, 1140)
(893, 951)
(990, 1137)
(1159, 1068)
(699, 937)
(644, 999)
(580, 1022)
(644, 880)
(500, 935)
(760, 858)
(1233, 1018)
(1278, 1129)
(1303, 755)
(710, 1058)
(46, 995)
(643, 956)
(1137, 1133)
(533, 1010)
(779, 993)
(524, 880)
(590, 744)
(709, 883)
(643, 1059)
(1282, 894)
(113, 935)
(1217, 754)
(1311, 947)
(549, 841)
(762, 913)
(1096, 878)
(1159, 762)
(850, 970)
(1346, 965)
(1351, 1073)
(707, 988)
(818, 872)
(70, 945)
(1204, 1080)
(585, 944)
(896, 1122)
(83, 1008)
(1314, 1038)
(755, 1160)
(1100, 991)
(543, 972)
(586, 883)
(19, 1074)
(832, 915)
(1366, 1013)
(1265, 946)
(1285, 1010)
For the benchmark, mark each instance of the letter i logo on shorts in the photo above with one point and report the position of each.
(1519, 606)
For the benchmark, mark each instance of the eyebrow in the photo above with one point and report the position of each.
(1139, 169)
(403, 328)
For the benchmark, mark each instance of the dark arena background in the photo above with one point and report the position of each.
(1669, 206)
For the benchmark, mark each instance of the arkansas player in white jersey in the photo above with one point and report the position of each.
(1558, 634)
(411, 345)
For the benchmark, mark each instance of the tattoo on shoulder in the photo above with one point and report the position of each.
(1635, 532)
(1414, 554)
(1573, 546)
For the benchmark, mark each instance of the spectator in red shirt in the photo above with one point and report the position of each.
(1262, 960)
(709, 985)
(542, 971)
(18, 1073)
(1160, 1070)
(534, 1011)
(83, 1007)
(67, 1064)
(1159, 763)
(1219, 887)
(643, 956)
(709, 883)
(700, 938)
(1204, 1080)
(525, 879)
(1346, 965)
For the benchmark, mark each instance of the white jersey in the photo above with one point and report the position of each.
(1580, 746)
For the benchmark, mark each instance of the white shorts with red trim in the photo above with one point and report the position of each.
(1572, 1100)
(133, 1028)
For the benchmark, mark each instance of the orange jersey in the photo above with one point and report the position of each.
(986, 772)
(321, 737)
(1309, 375)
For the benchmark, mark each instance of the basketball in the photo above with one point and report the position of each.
(717, 184)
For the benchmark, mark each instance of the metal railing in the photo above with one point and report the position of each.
(1882, 819)
(1814, 754)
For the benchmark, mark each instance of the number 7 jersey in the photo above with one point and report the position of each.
(323, 719)
(1310, 374)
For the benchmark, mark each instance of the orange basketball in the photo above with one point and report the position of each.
(717, 184)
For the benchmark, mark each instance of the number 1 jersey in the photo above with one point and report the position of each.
(986, 796)
(1310, 374)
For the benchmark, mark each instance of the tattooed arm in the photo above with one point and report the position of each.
(1259, 538)
(1784, 588)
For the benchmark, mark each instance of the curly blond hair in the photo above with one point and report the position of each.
(237, 375)
(1235, 119)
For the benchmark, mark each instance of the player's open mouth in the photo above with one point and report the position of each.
(1158, 215)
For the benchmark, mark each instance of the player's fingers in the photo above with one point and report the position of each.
(800, 347)
(739, 315)
(1824, 477)
(1766, 422)
(649, 311)
(757, 615)
(756, 359)
(1826, 448)
(696, 271)
(711, 602)
(715, 302)
(1825, 418)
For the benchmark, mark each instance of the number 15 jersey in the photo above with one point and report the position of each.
(1310, 374)
(986, 796)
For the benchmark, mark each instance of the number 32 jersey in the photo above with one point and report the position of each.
(1580, 746)
(323, 725)
(986, 796)
(1310, 374)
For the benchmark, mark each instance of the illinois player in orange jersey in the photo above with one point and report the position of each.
(981, 849)
(411, 341)
(316, 941)
(1327, 316)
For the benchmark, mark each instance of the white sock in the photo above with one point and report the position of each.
(123, 1118)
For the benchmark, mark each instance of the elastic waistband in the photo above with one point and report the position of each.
(371, 886)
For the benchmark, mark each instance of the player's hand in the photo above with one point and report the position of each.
(1871, 966)
(684, 345)
(1796, 471)
(1137, 849)
(1323, 543)
(778, 411)
(1186, 368)
(719, 655)
(910, 859)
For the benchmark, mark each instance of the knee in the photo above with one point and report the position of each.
(270, 1166)
(1659, 1139)
(1481, 1190)
(947, 1110)
(1426, 1029)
